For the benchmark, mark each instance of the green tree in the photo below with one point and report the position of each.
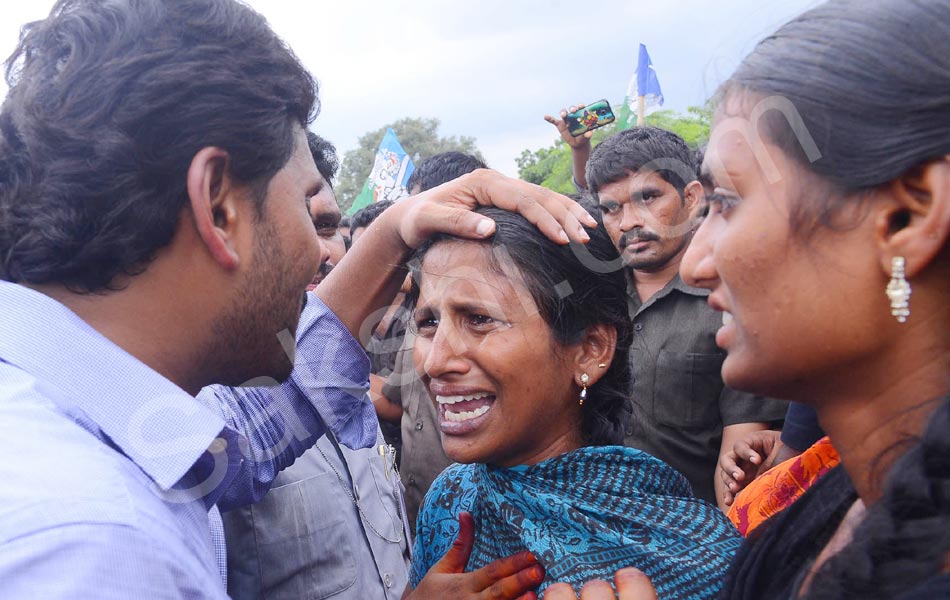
(419, 138)
(552, 166)
(693, 127)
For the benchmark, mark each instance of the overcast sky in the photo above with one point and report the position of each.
(491, 69)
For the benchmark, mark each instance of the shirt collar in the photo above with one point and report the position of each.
(159, 426)
(676, 284)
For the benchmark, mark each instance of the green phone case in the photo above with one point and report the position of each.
(590, 117)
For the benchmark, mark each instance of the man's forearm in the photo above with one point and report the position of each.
(580, 155)
(370, 274)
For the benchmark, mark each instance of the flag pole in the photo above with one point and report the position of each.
(641, 108)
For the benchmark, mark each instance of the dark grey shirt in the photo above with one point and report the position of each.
(679, 403)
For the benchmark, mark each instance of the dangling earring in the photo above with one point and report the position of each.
(898, 290)
(585, 379)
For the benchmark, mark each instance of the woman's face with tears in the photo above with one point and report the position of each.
(502, 384)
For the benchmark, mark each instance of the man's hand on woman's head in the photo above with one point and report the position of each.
(372, 272)
(448, 209)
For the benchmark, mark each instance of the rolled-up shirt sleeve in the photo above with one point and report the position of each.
(328, 388)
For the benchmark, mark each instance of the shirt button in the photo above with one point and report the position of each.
(412, 480)
(629, 431)
(388, 580)
(218, 446)
(418, 425)
(638, 327)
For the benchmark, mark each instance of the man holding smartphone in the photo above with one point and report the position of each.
(580, 145)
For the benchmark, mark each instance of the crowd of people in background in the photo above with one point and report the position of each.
(714, 372)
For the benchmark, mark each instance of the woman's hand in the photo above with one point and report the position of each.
(631, 584)
(510, 578)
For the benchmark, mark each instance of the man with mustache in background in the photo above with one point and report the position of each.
(324, 209)
(645, 183)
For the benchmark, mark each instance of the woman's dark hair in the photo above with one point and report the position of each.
(870, 82)
(108, 104)
(904, 539)
(571, 297)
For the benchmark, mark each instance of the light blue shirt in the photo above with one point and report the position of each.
(111, 472)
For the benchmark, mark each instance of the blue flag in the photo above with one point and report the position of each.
(391, 171)
(643, 83)
(647, 83)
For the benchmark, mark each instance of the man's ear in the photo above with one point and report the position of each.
(915, 222)
(596, 349)
(694, 197)
(211, 195)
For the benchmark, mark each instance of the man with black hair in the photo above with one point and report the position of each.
(324, 209)
(155, 240)
(439, 168)
(362, 218)
(324, 156)
(645, 183)
(344, 229)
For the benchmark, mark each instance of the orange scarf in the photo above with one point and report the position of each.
(777, 488)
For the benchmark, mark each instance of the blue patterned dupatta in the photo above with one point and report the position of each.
(584, 515)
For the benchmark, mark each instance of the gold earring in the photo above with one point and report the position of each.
(898, 290)
(602, 366)
(585, 379)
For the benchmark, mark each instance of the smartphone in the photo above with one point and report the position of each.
(592, 116)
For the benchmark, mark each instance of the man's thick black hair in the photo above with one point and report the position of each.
(324, 155)
(367, 215)
(442, 168)
(109, 102)
(630, 151)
